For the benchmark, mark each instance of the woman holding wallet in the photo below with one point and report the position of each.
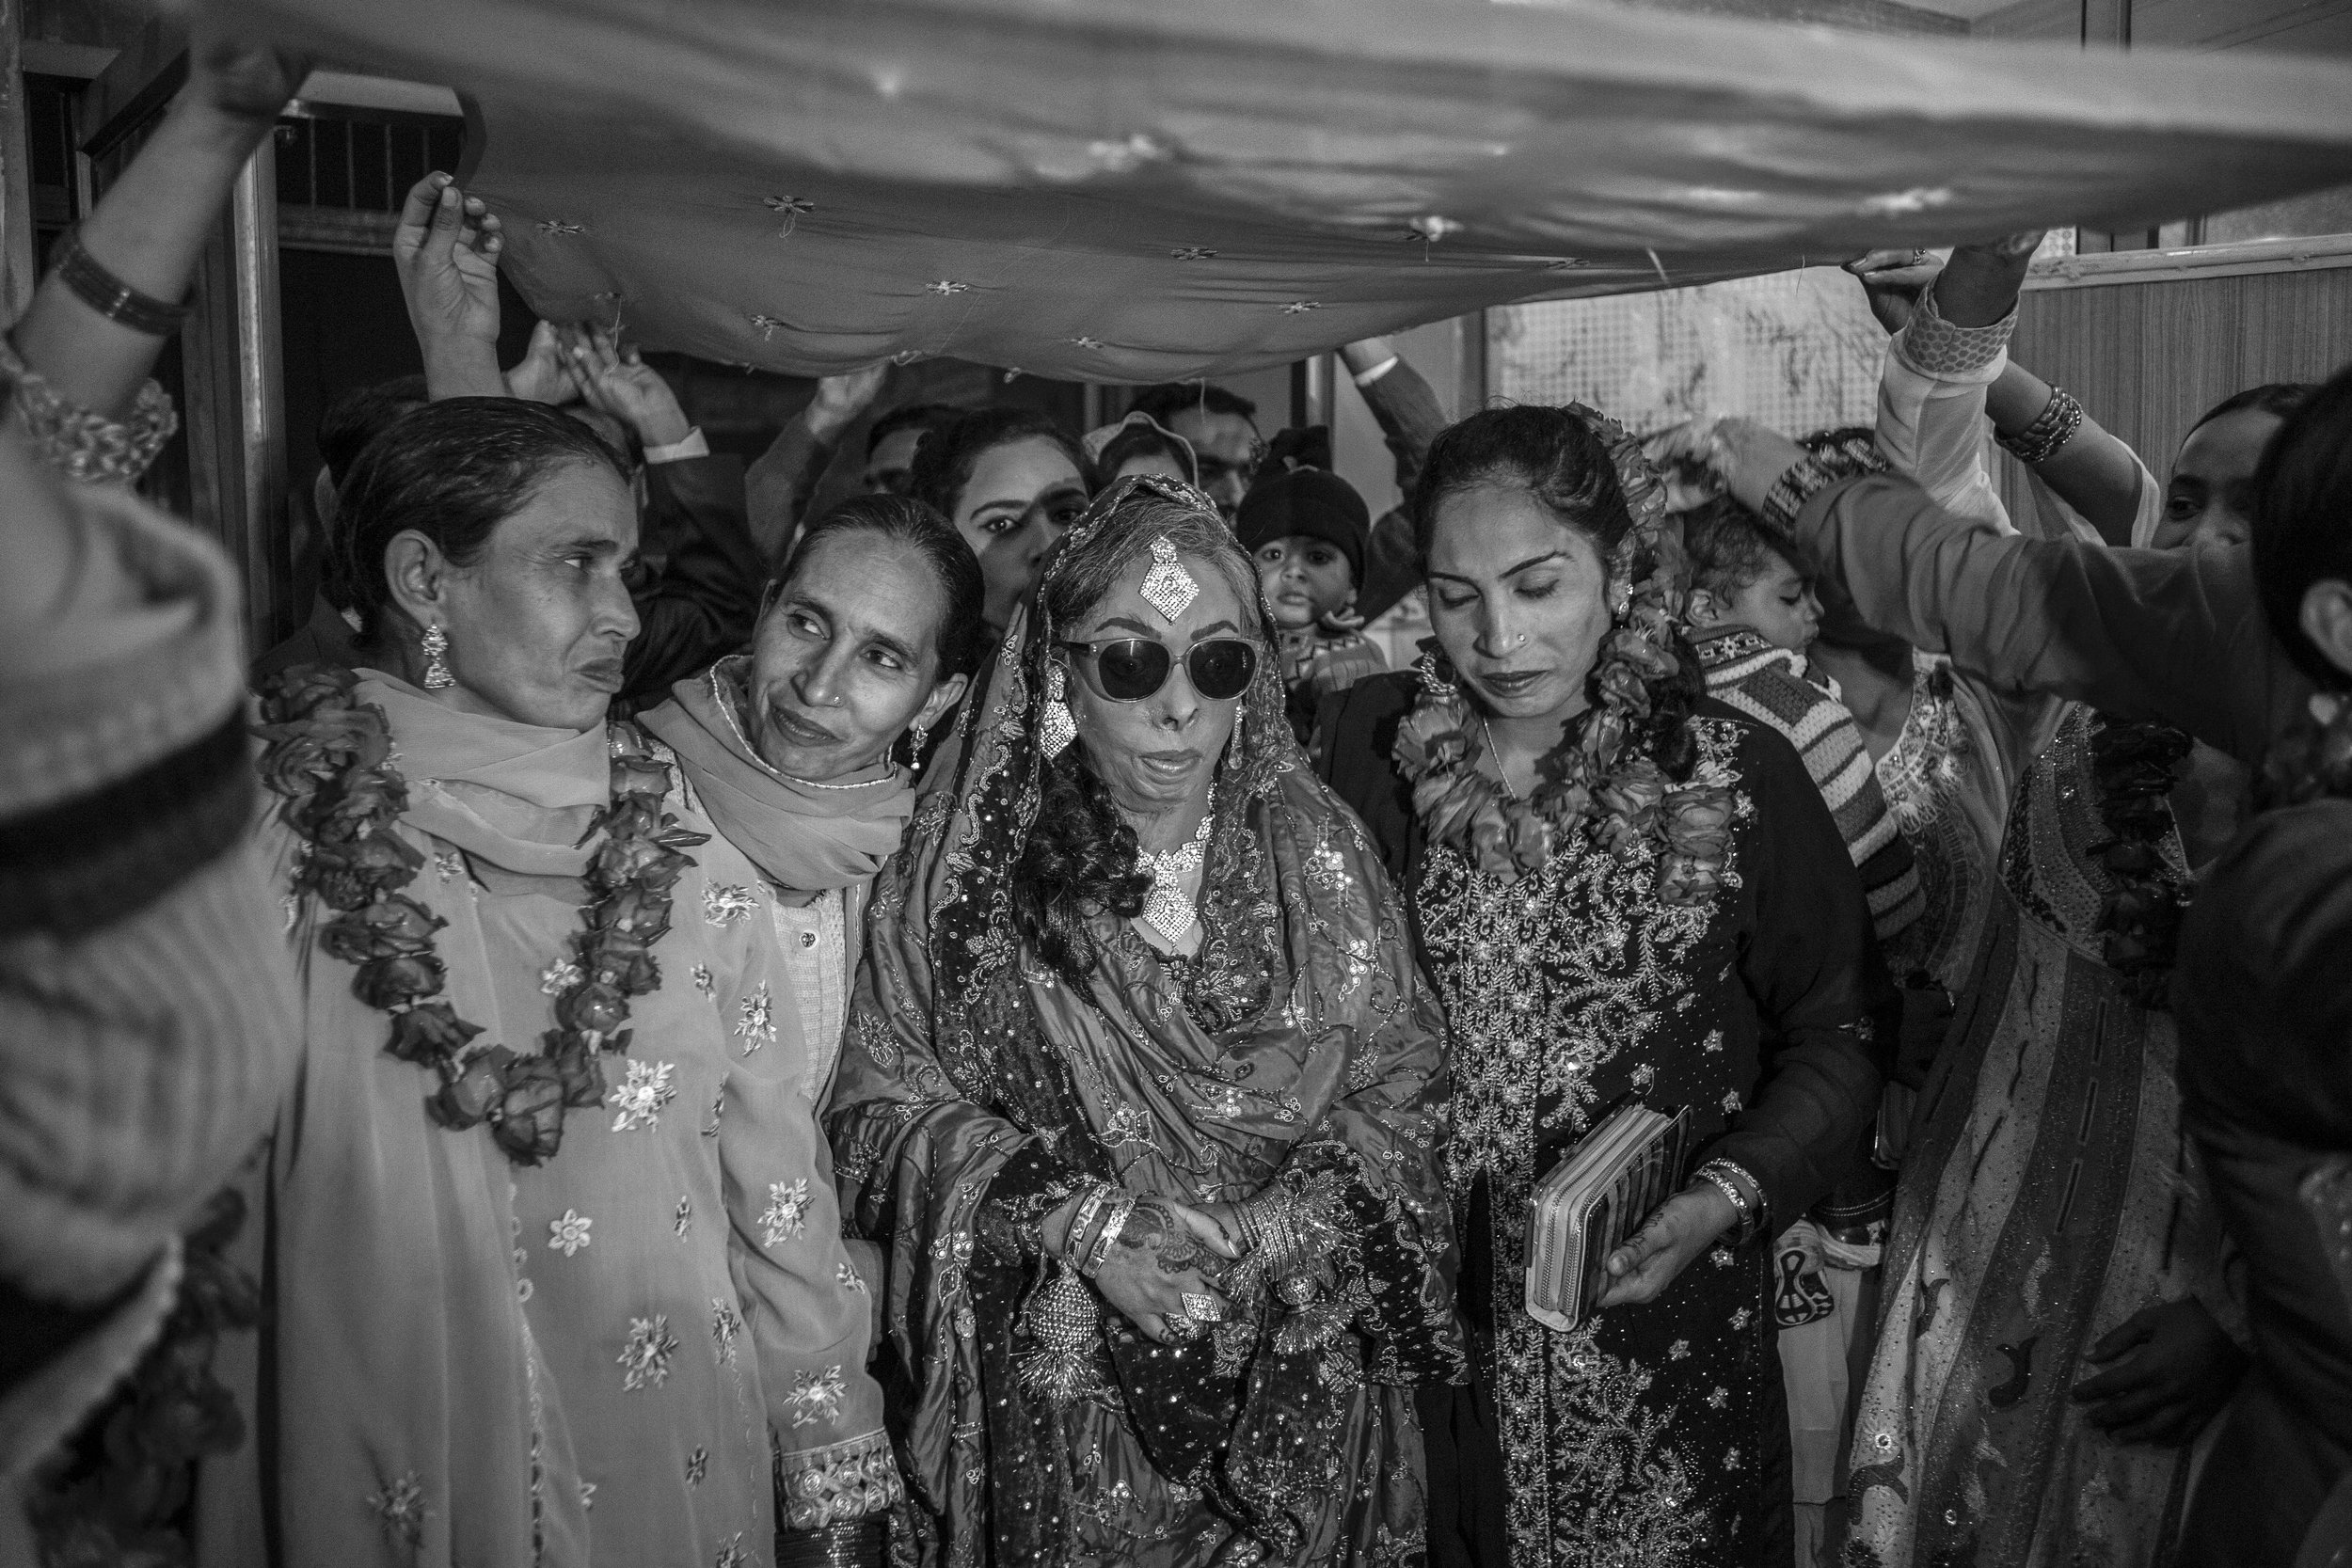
(1622, 891)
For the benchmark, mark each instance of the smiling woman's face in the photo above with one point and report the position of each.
(1022, 497)
(847, 657)
(1157, 754)
(1520, 601)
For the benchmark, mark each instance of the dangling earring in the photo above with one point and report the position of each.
(917, 738)
(1059, 727)
(432, 645)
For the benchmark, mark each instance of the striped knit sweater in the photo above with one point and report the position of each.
(1774, 686)
(147, 1001)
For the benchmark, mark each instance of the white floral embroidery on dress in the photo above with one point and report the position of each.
(685, 1216)
(559, 977)
(1731, 1103)
(640, 1097)
(817, 1398)
(449, 867)
(718, 1104)
(400, 1509)
(703, 982)
(587, 1496)
(724, 903)
(756, 1023)
(786, 1215)
(1741, 1317)
(1721, 1257)
(697, 1465)
(1717, 1397)
(848, 1278)
(1679, 1351)
(570, 1233)
(731, 1553)
(725, 1323)
(644, 1359)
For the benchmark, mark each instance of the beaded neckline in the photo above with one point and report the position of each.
(724, 701)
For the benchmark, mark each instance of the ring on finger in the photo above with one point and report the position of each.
(1180, 1327)
(1202, 1308)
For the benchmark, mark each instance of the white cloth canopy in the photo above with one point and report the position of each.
(1131, 191)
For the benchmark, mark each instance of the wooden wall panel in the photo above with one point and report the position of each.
(2147, 358)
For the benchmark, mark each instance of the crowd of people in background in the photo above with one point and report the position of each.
(985, 1025)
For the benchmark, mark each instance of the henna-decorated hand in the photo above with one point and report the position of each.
(1164, 1253)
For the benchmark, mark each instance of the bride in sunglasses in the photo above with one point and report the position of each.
(1139, 1098)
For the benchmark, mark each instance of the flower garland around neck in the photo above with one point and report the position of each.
(330, 757)
(1593, 780)
(2133, 766)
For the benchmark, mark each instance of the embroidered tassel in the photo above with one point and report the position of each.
(1063, 1319)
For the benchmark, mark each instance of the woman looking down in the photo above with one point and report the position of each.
(1624, 890)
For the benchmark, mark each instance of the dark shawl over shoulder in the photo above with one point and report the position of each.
(2263, 996)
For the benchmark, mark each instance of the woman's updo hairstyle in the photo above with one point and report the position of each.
(958, 637)
(1081, 854)
(1548, 452)
(2303, 518)
(945, 458)
(453, 471)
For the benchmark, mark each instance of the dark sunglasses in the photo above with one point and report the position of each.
(1132, 668)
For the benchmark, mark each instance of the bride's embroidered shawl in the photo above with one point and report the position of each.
(1298, 1045)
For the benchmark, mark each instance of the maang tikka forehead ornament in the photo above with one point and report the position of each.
(1167, 586)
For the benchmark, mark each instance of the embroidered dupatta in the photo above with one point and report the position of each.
(1298, 1045)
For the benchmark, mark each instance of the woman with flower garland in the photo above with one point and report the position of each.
(1625, 892)
(553, 1262)
(1138, 1095)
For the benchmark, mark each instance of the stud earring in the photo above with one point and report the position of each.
(917, 738)
(432, 645)
(1059, 727)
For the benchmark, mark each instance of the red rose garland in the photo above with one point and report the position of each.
(330, 756)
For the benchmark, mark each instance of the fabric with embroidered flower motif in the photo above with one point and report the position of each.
(835, 183)
(512, 1335)
(1295, 1045)
(1655, 1434)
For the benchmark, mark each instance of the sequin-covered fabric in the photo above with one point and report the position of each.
(2047, 1197)
(1649, 1436)
(1296, 1046)
(1642, 1437)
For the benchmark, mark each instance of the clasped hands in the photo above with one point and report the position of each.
(1162, 1272)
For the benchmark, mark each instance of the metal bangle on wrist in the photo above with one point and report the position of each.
(2049, 431)
(1733, 1182)
(97, 287)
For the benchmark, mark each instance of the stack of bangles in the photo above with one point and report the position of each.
(2050, 431)
(1102, 1215)
(1735, 1185)
(1271, 1232)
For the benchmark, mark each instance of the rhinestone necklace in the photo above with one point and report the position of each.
(1167, 910)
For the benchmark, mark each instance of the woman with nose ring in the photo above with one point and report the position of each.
(1623, 891)
(1138, 1095)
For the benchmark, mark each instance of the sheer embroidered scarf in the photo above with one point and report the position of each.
(516, 796)
(1298, 1042)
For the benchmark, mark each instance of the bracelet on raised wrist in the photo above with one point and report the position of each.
(2049, 431)
(97, 287)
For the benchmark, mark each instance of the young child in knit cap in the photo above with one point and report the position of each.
(1753, 616)
(1306, 529)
